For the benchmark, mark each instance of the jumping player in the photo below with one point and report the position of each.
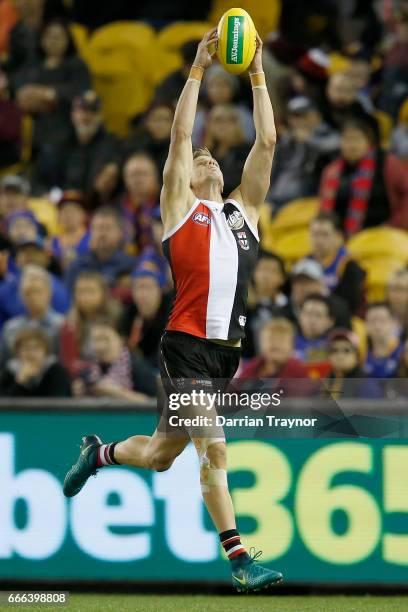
(212, 248)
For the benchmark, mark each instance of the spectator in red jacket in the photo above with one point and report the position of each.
(365, 186)
(10, 126)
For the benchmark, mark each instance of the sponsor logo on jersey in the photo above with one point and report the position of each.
(242, 320)
(201, 218)
(235, 220)
(242, 241)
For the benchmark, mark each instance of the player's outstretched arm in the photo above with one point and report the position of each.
(257, 170)
(176, 191)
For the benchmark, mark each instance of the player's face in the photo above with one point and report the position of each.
(206, 169)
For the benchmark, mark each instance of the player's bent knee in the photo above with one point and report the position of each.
(217, 455)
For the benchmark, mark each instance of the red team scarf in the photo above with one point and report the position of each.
(360, 191)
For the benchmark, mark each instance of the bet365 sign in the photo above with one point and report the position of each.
(320, 510)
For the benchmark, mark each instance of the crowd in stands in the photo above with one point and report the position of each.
(85, 290)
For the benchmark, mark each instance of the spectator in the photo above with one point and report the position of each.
(221, 87)
(115, 371)
(10, 126)
(35, 288)
(46, 87)
(106, 254)
(145, 318)
(395, 70)
(73, 238)
(342, 275)
(276, 359)
(316, 319)
(397, 298)
(8, 19)
(24, 35)
(346, 378)
(265, 300)
(172, 86)
(301, 153)
(359, 72)
(141, 197)
(398, 387)
(226, 140)
(14, 197)
(341, 100)
(364, 186)
(152, 255)
(26, 254)
(34, 371)
(385, 346)
(106, 186)
(91, 300)
(22, 227)
(307, 279)
(90, 147)
(153, 136)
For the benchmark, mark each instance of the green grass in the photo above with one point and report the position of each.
(233, 603)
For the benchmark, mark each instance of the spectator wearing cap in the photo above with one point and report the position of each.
(364, 186)
(145, 319)
(27, 253)
(152, 135)
(310, 74)
(91, 300)
(35, 290)
(15, 197)
(307, 278)
(276, 360)
(141, 179)
(346, 378)
(385, 346)
(265, 299)
(90, 147)
(342, 275)
(301, 153)
(106, 253)
(34, 371)
(316, 319)
(10, 126)
(73, 236)
(46, 86)
(114, 370)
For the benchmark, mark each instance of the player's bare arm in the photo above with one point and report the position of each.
(176, 196)
(257, 170)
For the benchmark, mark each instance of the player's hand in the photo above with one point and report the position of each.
(206, 49)
(256, 64)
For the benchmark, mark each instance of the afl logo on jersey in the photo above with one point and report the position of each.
(235, 220)
(201, 218)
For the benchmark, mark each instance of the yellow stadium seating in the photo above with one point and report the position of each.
(294, 216)
(359, 328)
(293, 246)
(379, 251)
(175, 35)
(265, 13)
(80, 35)
(46, 212)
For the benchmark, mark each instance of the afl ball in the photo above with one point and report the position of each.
(236, 40)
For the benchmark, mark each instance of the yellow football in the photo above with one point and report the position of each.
(236, 40)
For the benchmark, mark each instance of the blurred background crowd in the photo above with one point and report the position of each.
(87, 97)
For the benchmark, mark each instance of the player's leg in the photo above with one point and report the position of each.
(151, 452)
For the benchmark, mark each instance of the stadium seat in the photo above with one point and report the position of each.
(46, 212)
(359, 328)
(293, 246)
(80, 35)
(293, 216)
(175, 35)
(379, 251)
(265, 13)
